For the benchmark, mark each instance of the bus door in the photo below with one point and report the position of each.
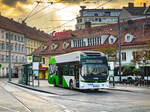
(77, 75)
(60, 75)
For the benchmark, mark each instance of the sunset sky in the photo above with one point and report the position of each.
(46, 16)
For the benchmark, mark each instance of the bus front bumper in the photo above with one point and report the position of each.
(84, 85)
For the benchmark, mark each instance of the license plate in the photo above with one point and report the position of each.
(95, 85)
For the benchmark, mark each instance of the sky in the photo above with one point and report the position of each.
(54, 15)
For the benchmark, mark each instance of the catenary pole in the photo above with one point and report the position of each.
(119, 47)
(9, 46)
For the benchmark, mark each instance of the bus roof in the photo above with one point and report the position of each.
(75, 56)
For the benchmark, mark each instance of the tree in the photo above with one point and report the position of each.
(137, 71)
(127, 71)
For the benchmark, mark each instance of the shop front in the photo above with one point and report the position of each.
(43, 71)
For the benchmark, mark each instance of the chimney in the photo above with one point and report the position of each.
(23, 22)
(82, 7)
(130, 5)
(88, 25)
(144, 5)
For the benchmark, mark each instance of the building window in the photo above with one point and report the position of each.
(128, 38)
(3, 46)
(95, 14)
(3, 34)
(7, 58)
(7, 35)
(16, 58)
(100, 19)
(107, 14)
(3, 58)
(123, 56)
(15, 38)
(111, 40)
(22, 48)
(7, 46)
(12, 58)
(23, 59)
(96, 19)
(31, 42)
(43, 60)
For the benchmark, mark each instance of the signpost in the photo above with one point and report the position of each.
(35, 66)
(112, 58)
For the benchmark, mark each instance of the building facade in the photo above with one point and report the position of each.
(97, 17)
(100, 17)
(134, 38)
(23, 40)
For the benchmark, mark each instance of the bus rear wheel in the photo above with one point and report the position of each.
(71, 84)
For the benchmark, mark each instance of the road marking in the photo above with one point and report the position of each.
(9, 109)
(19, 101)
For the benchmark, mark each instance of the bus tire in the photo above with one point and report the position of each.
(55, 83)
(96, 89)
(71, 84)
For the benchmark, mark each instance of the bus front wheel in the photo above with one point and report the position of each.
(71, 84)
(55, 83)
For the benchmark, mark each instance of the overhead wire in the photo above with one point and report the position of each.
(39, 10)
(39, 17)
(75, 18)
(60, 25)
(31, 12)
(61, 9)
(104, 3)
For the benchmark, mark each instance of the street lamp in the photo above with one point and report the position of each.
(9, 46)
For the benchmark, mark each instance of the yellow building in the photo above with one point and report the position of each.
(24, 40)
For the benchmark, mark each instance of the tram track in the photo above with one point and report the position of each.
(19, 101)
(64, 109)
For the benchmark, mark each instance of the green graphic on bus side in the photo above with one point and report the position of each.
(52, 60)
(56, 78)
(52, 73)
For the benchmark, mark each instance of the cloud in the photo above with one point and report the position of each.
(12, 3)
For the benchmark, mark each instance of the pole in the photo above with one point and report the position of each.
(9, 41)
(119, 48)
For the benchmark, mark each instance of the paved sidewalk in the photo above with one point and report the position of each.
(47, 88)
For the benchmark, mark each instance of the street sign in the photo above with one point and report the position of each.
(37, 58)
(111, 72)
(35, 65)
(29, 59)
(112, 57)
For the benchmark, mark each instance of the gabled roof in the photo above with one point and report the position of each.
(136, 29)
(135, 11)
(28, 32)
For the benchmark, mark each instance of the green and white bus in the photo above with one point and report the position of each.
(79, 70)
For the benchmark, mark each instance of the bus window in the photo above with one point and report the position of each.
(71, 70)
(65, 70)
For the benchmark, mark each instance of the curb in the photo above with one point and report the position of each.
(38, 90)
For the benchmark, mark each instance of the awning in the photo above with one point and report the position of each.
(43, 68)
(128, 65)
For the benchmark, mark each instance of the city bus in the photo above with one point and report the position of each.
(79, 70)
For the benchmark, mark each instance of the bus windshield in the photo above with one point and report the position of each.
(94, 69)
